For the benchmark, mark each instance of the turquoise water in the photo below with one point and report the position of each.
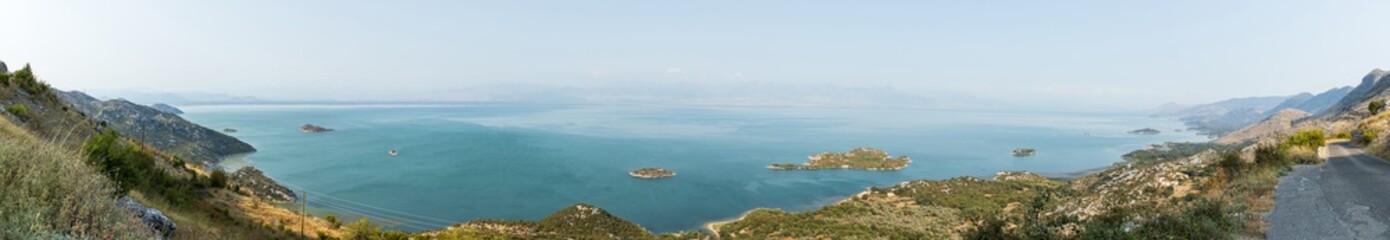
(460, 163)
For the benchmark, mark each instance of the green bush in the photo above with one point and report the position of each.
(1342, 135)
(1376, 106)
(1311, 139)
(362, 229)
(333, 221)
(18, 110)
(1367, 136)
(24, 77)
(218, 178)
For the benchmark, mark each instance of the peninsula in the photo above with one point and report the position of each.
(863, 158)
(652, 173)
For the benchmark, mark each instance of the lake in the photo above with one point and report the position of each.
(504, 161)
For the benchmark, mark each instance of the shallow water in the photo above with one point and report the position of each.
(460, 163)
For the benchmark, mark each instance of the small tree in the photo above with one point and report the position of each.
(333, 221)
(218, 179)
(362, 229)
(1376, 106)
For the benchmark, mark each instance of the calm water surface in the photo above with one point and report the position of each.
(460, 163)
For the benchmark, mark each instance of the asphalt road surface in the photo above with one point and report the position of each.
(1348, 197)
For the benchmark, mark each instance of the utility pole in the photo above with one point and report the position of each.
(303, 211)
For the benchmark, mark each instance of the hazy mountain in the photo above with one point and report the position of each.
(1372, 87)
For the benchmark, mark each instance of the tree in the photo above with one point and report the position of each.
(218, 179)
(333, 221)
(1376, 106)
(362, 229)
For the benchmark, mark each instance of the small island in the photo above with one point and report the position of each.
(1145, 131)
(1024, 152)
(864, 158)
(310, 128)
(228, 130)
(652, 173)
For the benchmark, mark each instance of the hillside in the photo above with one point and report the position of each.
(1372, 87)
(46, 188)
(63, 175)
(164, 130)
(1227, 116)
(1281, 122)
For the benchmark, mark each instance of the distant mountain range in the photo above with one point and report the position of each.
(1226, 116)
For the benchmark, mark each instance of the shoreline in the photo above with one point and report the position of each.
(713, 227)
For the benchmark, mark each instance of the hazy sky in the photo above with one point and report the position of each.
(1103, 53)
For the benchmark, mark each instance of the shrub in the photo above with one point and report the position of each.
(1311, 139)
(362, 229)
(24, 77)
(395, 235)
(218, 178)
(333, 221)
(18, 110)
(1367, 136)
(1376, 106)
(1342, 135)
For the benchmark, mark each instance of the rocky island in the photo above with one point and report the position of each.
(1145, 131)
(1024, 152)
(310, 128)
(864, 158)
(652, 173)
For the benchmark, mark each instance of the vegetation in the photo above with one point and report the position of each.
(1376, 106)
(19, 110)
(362, 229)
(24, 78)
(859, 158)
(1367, 136)
(48, 193)
(1177, 150)
(1312, 139)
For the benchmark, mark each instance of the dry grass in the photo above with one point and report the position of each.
(49, 192)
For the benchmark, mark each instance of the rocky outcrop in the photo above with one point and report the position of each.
(166, 108)
(164, 131)
(4, 68)
(262, 186)
(310, 128)
(152, 218)
(1280, 122)
(1145, 131)
(652, 173)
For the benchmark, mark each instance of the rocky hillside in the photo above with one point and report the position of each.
(579, 221)
(165, 131)
(1281, 122)
(1372, 87)
(1221, 118)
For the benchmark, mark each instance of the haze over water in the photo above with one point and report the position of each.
(524, 162)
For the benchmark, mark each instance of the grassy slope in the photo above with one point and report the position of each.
(49, 191)
(49, 188)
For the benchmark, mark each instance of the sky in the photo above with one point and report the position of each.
(1108, 54)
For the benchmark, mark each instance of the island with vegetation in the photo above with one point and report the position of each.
(863, 158)
(1145, 131)
(1024, 152)
(652, 173)
(311, 128)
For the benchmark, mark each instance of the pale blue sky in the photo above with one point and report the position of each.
(1095, 53)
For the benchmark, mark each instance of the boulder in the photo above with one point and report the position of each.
(152, 218)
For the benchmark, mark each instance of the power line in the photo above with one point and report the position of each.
(369, 206)
(356, 211)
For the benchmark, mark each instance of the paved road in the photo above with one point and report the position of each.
(1348, 197)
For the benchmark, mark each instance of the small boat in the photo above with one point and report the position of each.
(393, 153)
